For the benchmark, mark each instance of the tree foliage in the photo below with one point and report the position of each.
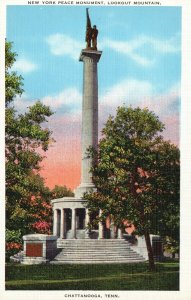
(136, 174)
(61, 191)
(13, 82)
(26, 138)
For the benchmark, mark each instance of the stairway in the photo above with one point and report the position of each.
(83, 251)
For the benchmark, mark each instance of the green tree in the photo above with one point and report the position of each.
(13, 82)
(26, 138)
(136, 174)
(61, 191)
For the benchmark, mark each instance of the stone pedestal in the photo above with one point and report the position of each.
(90, 58)
(39, 248)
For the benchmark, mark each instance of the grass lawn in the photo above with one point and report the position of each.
(92, 277)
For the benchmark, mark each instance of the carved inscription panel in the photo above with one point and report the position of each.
(34, 249)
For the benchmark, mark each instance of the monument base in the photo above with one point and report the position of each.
(84, 188)
(39, 248)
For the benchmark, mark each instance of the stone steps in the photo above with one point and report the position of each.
(94, 243)
(80, 262)
(98, 251)
(98, 257)
(94, 248)
(95, 251)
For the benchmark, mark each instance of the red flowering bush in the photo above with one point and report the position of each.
(42, 227)
(12, 248)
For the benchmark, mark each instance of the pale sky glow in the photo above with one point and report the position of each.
(65, 99)
(24, 65)
(61, 44)
(140, 66)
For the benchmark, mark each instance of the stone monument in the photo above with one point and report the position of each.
(71, 238)
(70, 216)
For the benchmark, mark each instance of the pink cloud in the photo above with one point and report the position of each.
(172, 129)
(63, 163)
(63, 159)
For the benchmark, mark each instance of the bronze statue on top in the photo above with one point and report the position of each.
(91, 34)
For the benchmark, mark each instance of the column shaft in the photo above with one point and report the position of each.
(87, 219)
(74, 223)
(101, 233)
(62, 224)
(55, 222)
(89, 115)
(119, 233)
(112, 229)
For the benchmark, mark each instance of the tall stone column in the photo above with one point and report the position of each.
(90, 59)
(55, 222)
(73, 223)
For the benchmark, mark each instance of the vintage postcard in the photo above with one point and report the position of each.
(95, 115)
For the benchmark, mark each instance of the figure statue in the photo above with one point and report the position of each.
(91, 34)
(88, 30)
(94, 37)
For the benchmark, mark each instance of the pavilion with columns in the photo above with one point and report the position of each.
(71, 221)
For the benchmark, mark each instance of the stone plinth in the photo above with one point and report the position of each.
(156, 243)
(39, 248)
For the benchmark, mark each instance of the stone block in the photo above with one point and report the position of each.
(39, 248)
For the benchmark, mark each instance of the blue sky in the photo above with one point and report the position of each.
(158, 55)
(140, 64)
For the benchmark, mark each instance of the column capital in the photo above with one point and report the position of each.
(90, 55)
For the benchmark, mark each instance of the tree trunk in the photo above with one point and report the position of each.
(150, 251)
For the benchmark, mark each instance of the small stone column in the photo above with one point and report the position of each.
(62, 224)
(101, 235)
(55, 222)
(73, 223)
(112, 230)
(119, 233)
(87, 219)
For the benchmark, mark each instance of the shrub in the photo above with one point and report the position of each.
(13, 242)
(42, 227)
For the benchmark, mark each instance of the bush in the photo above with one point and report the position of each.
(11, 249)
(42, 227)
(13, 236)
(13, 242)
